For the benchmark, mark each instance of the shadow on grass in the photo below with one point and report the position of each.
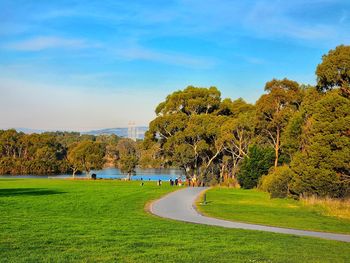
(27, 191)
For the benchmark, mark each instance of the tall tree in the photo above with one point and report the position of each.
(334, 70)
(274, 109)
(187, 128)
(323, 168)
(237, 132)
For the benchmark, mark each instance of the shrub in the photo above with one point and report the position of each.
(277, 182)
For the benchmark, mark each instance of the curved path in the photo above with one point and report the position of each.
(179, 205)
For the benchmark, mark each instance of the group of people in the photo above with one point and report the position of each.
(177, 182)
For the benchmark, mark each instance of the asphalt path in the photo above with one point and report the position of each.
(179, 205)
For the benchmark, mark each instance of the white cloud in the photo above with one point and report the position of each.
(44, 42)
(137, 52)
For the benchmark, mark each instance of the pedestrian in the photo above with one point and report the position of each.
(180, 182)
(141, 181)
(159, 182)
(171, 182)
(176, 181)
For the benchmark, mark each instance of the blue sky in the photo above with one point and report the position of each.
(80, 65)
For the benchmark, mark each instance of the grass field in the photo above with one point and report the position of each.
(256, 207)
(104, 221)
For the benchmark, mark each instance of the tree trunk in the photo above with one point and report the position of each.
(277, 146)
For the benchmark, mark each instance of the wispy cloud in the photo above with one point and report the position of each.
(279, 19)
(172, 58)
(46, 42)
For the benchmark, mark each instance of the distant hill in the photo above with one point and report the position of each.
(29, 131)
(121, 132)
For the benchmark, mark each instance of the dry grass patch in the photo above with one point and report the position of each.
(329, 206)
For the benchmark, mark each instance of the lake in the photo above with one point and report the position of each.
(114, 173)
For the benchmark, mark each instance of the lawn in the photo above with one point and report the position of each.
(256, 207)
(43, 220)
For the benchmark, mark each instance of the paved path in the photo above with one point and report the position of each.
(179, 206)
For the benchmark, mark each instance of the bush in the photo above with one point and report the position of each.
(277, 182)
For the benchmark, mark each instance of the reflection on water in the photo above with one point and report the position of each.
(113, 173)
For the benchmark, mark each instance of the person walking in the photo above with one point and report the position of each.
(176, 181)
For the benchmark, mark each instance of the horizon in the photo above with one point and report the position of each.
(30, 130)
(90, 66)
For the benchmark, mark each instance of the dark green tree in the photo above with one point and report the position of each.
(323, 168)
(255, 165)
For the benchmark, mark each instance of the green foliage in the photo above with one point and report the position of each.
(273, 111)
(277, 181)
(47, 153)
(127, 164)
(195, 130)
(334, 71)
(127, 156)
(323, 168)
(86, 156)
(31, 154)
(255, 165)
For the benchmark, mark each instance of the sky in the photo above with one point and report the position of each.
(82, 65)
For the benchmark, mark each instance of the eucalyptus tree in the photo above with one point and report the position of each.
(187, 128)
(274, 109)
(237, 132)
(334, 71)
(86, 156)
(127, 156)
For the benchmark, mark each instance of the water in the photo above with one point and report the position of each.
(113, 173)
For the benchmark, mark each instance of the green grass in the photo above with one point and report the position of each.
(256, 207)
(104, 221)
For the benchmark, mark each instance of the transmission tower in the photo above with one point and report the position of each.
(132, 131)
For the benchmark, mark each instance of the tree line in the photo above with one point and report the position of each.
(65, 152)
(295, 140)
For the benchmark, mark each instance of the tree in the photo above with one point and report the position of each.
(127, 156)
(274, 109)
(255, 165)
(86, 156)
(334, 70)
(127, 164)
(187, 129)
(323, 168)
(237, 134)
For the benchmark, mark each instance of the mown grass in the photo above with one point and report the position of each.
(104, 221)
(256, 207)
